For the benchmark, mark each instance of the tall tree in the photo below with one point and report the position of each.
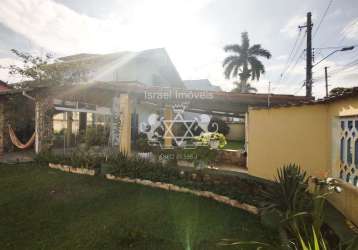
(243, 61)
(46, 70)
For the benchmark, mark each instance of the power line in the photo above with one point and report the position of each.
(290, 56)
(338, 71)
(322, 18)
(294, 60)
(342, 37)
(318, 54)
(343, 68)
(346, 30)
(293, 66)
(299, 89)
(294, 45)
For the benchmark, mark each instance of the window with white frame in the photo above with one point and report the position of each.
(349, 150)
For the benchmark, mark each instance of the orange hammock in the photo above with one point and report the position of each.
(17, 142)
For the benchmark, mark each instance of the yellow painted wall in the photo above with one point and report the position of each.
(307, 135)
(237, 131)
(346, 201)
(281, 136)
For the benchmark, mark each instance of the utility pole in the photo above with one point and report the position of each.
(309, 56)
(326, 78)
(308, 82)
(326, 68)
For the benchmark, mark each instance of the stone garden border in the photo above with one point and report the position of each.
(166, 186)
(74, 170)
(171, 187)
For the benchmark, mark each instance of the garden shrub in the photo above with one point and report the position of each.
(46, 157)
(242, 189)
(78, 158)
(290, 192)
(200, 156)
(297, 212)
(97, 135)
(236, 187)
(142, 143)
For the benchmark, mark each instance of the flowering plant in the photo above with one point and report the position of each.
(205, 139)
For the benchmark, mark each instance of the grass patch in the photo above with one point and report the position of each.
(41, 208)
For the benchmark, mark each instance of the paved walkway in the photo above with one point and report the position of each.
(233, 168)
(18, 156)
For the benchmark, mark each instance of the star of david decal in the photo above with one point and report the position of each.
(178, 119)
(167, 125)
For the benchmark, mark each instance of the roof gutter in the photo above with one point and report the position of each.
(28, 96)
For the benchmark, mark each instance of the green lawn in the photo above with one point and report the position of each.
(41, 208)
(235, 145)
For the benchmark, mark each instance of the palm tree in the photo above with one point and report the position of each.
(243, 88)
(244, 60)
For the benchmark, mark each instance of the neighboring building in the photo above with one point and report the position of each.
(201, 84)
(4, 86)
(151, 67)
(321, 136)
(237, 125)
(237, 131)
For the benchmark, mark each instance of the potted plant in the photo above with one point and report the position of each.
(217, 140)
(214, 140)
(214, 143)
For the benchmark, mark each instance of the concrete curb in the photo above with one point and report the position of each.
(171, 187)
(73, 170)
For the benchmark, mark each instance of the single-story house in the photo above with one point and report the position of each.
(152, 67)
(132, 85)
(321, 136)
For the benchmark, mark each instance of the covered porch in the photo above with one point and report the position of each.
(123, 106)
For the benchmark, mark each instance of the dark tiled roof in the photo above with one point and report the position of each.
(201, 84)
(343, 94)
(4, 86)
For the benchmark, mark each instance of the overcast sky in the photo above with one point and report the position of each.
(193, 32)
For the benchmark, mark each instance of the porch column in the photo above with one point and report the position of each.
(2, 128)
(43, 124)
(68, 129)
(82, 122)
(168, 115)
(125, 126)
